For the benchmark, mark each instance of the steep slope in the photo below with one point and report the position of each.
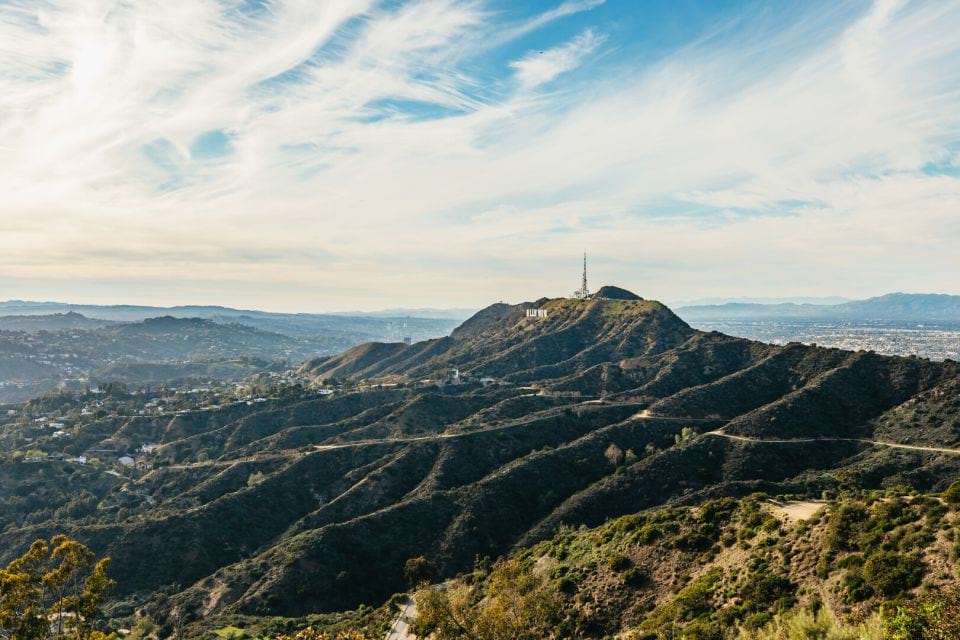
(722, 570)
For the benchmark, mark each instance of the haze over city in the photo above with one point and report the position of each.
(351, 154)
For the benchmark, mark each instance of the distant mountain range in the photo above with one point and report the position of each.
(351, 328)
(45, 345)
(419, 312)
(890, 308)
(699, 302)
(52, 322)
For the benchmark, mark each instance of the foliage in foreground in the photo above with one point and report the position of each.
(512, 602)
(820, 625)
(55, 590)
(313, 634)
(727, 569)
(935, 617)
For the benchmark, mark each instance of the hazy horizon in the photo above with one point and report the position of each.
(465, 311)
(361, 155)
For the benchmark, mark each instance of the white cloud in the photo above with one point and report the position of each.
(370, 152)
(538, 68)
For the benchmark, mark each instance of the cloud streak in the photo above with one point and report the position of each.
(538, 68)
(364, 145)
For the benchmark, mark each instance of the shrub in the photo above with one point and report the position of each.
(619, 562)
(312, 634)
(845, 527)
(952, 494)
(636, 577)
(891, 574)
(807, 625)
(933, 618)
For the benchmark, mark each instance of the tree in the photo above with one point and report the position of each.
(614, 455)
(420, 571)
(513, 603)
(56, 589)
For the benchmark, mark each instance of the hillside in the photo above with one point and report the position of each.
(313, 502)
(503, 342)
(725, 569)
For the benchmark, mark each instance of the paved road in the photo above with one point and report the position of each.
(877, 443)
(401, 626)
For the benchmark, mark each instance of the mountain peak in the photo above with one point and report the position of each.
(546, 339)
(609, 292)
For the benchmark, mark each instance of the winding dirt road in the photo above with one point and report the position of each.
(719, 433)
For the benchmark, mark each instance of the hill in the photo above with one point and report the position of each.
(52, 322)
(505, 342)
(527, 420)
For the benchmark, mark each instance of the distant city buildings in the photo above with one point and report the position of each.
(920, 341)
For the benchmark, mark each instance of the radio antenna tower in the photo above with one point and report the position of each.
(583, 292)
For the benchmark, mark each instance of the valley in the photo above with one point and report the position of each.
(42, 353)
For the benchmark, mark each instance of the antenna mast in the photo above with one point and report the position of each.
(583, 292)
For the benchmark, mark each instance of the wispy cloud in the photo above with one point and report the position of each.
(541, 67)
(166, 145)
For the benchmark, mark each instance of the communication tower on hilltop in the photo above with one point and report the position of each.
(583, 292)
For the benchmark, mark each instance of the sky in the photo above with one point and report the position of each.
(320, 155)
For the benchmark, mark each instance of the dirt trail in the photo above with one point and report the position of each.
(797, 510)
(877, 443)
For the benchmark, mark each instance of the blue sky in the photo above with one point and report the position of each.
(303, 155)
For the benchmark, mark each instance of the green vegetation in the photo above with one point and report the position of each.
(512, 602)
(420, 571)
(933, 617)
(804, 624)
(55, 590)
(728, 569)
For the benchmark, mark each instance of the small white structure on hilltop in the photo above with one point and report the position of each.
(536, 313)
(583, 292)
